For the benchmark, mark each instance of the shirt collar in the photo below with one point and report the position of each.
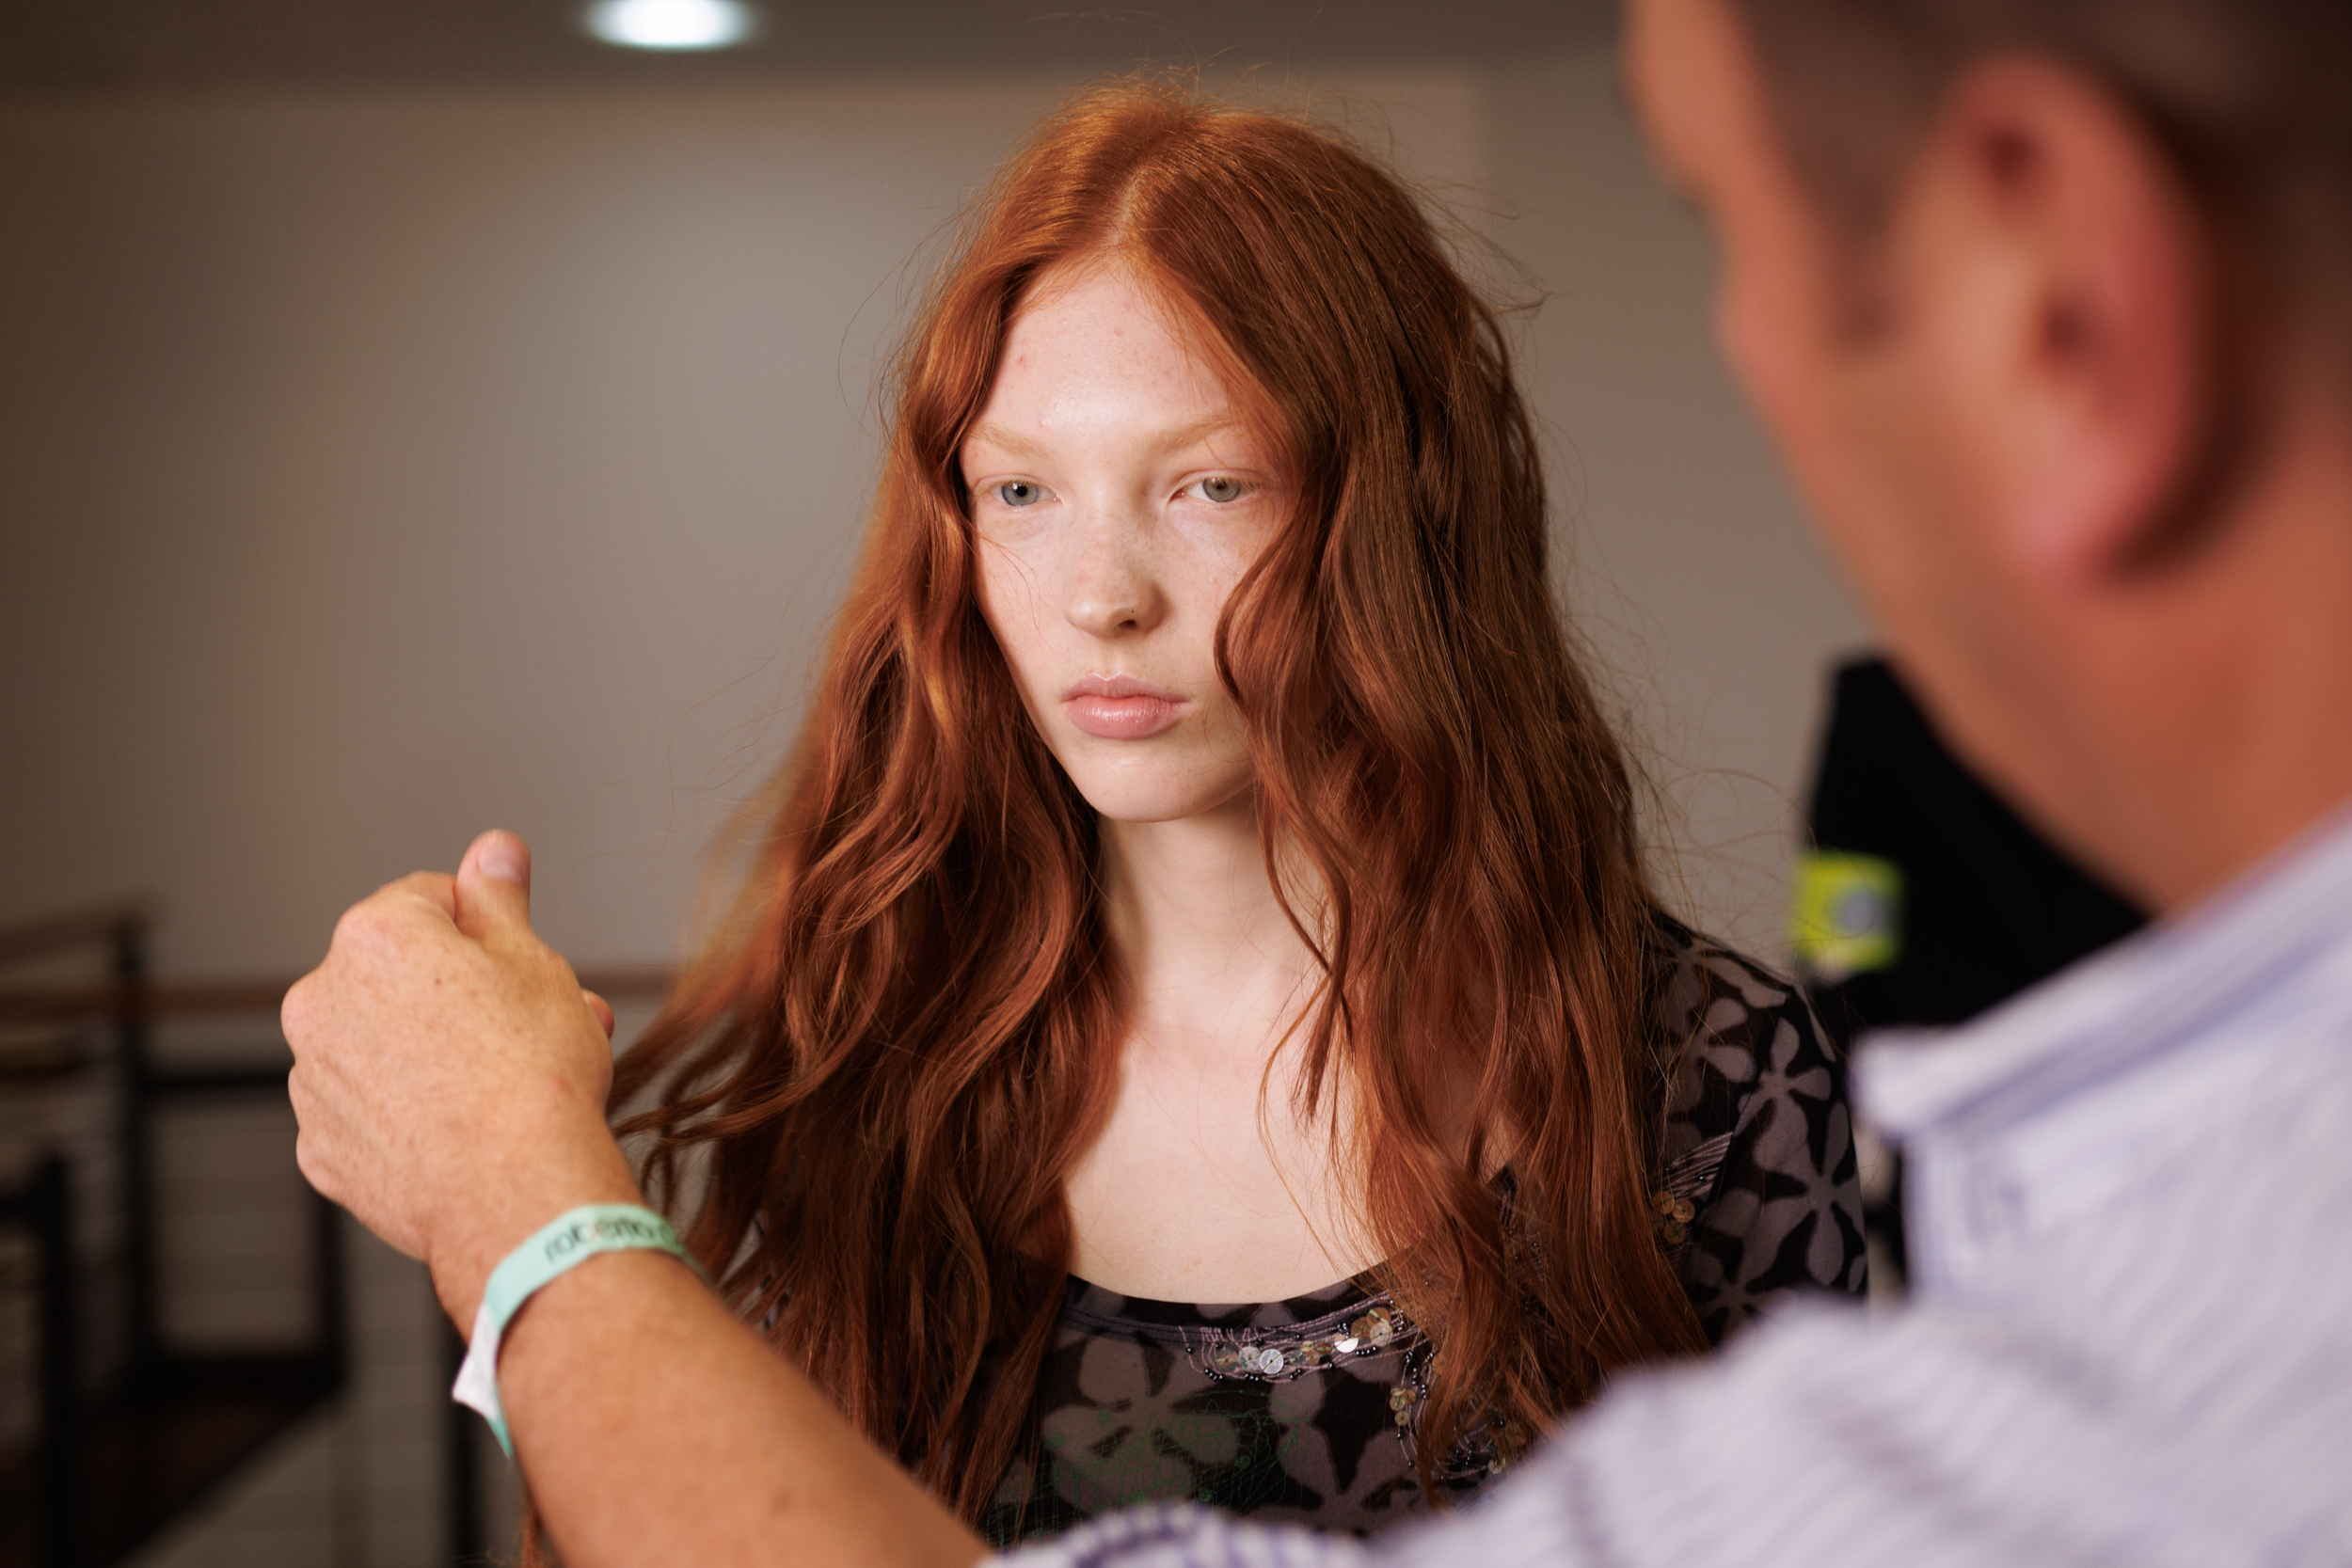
(2142, 999)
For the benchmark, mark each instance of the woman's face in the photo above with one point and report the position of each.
(1117, 499)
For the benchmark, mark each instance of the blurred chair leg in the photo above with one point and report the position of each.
(60, 1370)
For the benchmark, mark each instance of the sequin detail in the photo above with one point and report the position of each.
(1280, 1356)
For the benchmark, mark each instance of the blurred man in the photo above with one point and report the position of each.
(2049, 305)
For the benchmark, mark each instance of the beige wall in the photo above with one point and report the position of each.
(378, 468)
(1692, 571)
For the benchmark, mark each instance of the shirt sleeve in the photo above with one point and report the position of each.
(1189, 1536)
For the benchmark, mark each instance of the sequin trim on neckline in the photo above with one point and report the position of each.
(1373, 1327)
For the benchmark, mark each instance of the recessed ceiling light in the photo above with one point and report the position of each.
(672, 24)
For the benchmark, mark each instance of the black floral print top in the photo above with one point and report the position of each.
(1304, 1410)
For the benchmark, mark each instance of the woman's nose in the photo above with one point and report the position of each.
(1113, 590)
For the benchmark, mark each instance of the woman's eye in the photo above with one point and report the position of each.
(1018, 492)
(1222, 489)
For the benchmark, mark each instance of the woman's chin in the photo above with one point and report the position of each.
(1126, 795)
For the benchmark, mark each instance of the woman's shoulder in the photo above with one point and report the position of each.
(1758, 1190)
(1721, 1023)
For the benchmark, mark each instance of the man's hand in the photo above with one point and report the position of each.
(450, 1074)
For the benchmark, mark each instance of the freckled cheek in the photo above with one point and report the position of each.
(1219, 564)
(1201, 599)
(1008, 587)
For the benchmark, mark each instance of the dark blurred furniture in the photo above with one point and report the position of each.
(1988, 906)
(121, 1454)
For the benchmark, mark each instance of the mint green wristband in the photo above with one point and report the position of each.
(573, 1238)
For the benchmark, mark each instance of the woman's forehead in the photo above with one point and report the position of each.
(1099, 335)
(1103, 351)
(1083, 311)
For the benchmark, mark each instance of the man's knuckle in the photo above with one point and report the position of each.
(311, 1163)
(361, 925)
(296, 1013)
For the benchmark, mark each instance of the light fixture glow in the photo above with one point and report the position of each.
(672, 24)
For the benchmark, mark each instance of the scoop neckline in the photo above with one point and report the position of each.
(1085, 1300)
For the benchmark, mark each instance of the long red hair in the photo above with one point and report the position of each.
(875, 1081)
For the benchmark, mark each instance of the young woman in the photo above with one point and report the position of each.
(1197, 1026)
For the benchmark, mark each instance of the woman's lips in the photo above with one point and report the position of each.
(1120, 707)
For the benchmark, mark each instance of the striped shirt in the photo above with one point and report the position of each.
(2129, 1335)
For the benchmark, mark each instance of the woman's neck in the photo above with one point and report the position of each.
(1214, 967)
(1202, 1182)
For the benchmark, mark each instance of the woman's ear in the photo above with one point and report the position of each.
(2060, 280)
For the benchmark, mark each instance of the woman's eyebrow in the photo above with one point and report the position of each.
(1014, 444)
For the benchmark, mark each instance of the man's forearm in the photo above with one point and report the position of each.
(654, 1428)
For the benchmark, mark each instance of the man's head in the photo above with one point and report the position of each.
(2043, 301)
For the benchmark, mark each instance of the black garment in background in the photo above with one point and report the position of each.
(1988, 906)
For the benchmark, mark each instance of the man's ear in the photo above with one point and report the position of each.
(2061, 279)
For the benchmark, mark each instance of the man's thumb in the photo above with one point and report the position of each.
(494, 887)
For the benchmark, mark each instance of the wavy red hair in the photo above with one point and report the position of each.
(881, 1074)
